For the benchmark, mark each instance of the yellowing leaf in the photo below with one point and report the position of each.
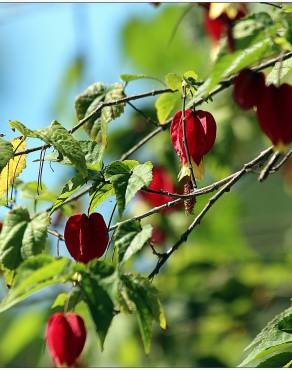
(14, 166)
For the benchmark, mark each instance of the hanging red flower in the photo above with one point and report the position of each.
(274, 112)
(65, 338)
(200, 129)
(86, 237)
(248, 88)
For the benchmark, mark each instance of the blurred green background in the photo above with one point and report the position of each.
(233, 274)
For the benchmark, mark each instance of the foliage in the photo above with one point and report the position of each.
(215, 289)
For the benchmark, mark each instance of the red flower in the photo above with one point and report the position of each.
(1, 226)
(248, 87)
(86, 237)
(161, 180)
(274, 112)
(200, 131)
(65, 337)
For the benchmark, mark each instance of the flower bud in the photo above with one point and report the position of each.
(86, 237)
(274, 112)
(65, 337)
(248, 87)
(200, 129)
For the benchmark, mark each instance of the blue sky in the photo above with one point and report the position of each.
(37, 42)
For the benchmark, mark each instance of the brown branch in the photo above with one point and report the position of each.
(267, 168)
(98, 109)
(245, 169)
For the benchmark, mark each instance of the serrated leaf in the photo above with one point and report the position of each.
(141, 176)
(22, 129)
(6, 150)
(21, 236)
(35, 235)
(92, 151)
(165, 104)
(173, 81)
(90, 100)
(14, 167)
(279, 71)
(100, 306)
(57, 136)
(101, 193)
(69, 189)
(270, 340)
(34, 274)
(130, 238)
(230, 64)
(148, 308)
(127, 178)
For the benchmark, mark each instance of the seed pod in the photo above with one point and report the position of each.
(274, 112)
(65, 337)
(161, 180)
(200, 129)
(248, 88)
(86, 237)
(190, 202)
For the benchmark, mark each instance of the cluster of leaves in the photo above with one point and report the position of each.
(107, 288)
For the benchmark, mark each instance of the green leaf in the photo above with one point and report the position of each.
(57, 136)
(232, 63)
(148, 308)
(251, 25)
(34, 274)
(90, 100)
(165, 104)
(173, 81)
(22, 237)
(279, 71)
(130, 238)
(141, 176)
(128, 77)
(69, 189)
(100, 306)
(101, 193)
(6, 150)
(271, 340)
(22, 129)
(92, 151)
(67, 301)
(35, 235)
(127, 178)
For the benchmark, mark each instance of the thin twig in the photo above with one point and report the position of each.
(266, 170)
(183, 238)
(281, 162)
(55, 233)
(147, 118)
